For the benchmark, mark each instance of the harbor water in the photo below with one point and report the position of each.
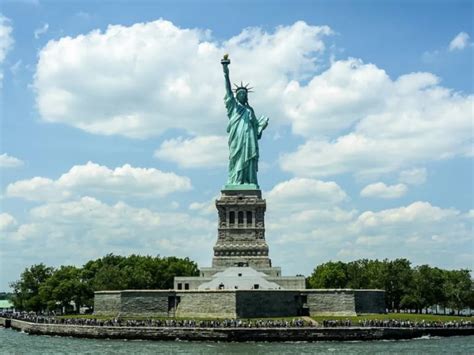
(14, 342)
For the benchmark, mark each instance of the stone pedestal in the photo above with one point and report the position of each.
(241, 230)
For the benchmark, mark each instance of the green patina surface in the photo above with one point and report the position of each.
(241, 187)
(244, 130)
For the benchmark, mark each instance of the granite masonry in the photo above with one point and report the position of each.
(238, 303)
(241, 244)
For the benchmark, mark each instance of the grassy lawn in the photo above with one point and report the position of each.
(355, 319)
(397, 316)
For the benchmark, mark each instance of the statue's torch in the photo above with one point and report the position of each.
(225, 61)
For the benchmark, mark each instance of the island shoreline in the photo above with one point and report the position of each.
(309, 334)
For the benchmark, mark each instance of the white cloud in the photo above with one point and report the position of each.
(302, 210)
(421, 121)
(304, 230)
(197, 152)
(301, 193)
(6, 41)
(7, 222)
(139, 89)
(336, 99)
(91, 178)
(303, 238)
(380, 190)
(459, 42)
(7, 161)
(416, 213)
(141, 80)
(415, 176)
(421, 232)
(204, 208)
(77, 231)
(41, 30)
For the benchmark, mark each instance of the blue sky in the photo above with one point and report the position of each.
(113, 128)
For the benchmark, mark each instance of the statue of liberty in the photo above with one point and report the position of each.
(244, 131)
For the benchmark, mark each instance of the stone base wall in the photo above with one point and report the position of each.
(289, 282)
(369, 301)
(331, 302)
(238, 303)
(160, 304)
(268, 303)
(198, 304)
(235, 334)
(107, 302)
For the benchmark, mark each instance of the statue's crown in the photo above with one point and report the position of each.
(245, 87)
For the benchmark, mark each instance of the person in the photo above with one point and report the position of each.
(244, 131)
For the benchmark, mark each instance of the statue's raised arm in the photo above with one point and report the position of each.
(225, 64)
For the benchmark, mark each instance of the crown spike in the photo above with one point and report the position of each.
(242, 87)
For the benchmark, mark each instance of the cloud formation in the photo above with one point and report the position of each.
(94, 179)
(415, 176)
(88, 228)
(41, 30)
(417, 232)
(311, 229)
(380, 190)
(7, 161)
(459, 42)
(422, 121)
(197, 152)
(308, 222)
(7, 222)
(141, 80)
(128, 81)
(301, 193)
(6, 41)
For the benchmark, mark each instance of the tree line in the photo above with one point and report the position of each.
(407, 287)
(45, 288)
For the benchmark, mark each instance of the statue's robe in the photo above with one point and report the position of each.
(244, 131)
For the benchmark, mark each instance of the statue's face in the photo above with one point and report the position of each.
(242, 97)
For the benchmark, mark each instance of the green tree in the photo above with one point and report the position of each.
(26, 290)
(136, 272)
(41, 287)
(329, 275)
(365, 274)
(426, 289)
(458, 289)
(397, 280)
(63, 287)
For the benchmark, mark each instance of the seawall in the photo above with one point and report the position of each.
(232, 334)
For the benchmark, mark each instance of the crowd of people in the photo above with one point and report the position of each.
(396, 323)
(233, 323)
